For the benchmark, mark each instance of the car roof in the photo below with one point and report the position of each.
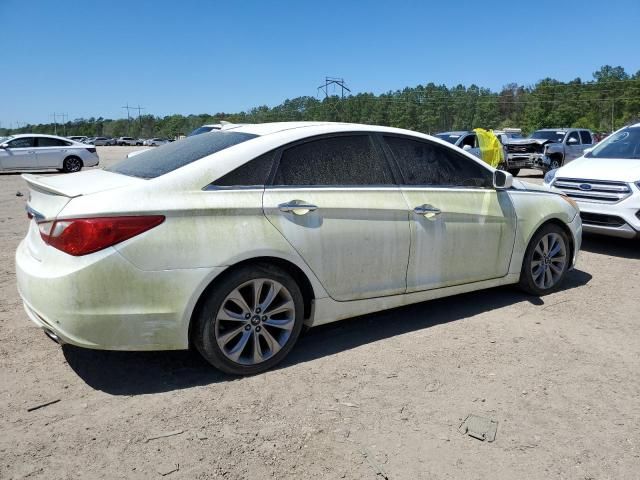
(19, 135)
(454, 132)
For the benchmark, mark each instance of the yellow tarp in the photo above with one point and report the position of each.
(490, 147)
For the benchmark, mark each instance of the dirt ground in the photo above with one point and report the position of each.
(380, 396)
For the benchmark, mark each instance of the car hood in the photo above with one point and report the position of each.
(613, 169)
(528, 141)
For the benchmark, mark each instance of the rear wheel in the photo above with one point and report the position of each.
(250, 321)
(546, 261)
(71, 164)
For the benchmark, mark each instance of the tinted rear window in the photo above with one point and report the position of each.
(169, 157)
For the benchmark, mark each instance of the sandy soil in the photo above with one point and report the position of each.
(380, 396)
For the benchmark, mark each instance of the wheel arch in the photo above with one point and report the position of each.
(301, 278)
(563, 226)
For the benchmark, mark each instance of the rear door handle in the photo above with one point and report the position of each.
(297, 207)
(427, 210)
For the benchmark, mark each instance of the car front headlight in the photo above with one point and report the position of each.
(550, 176)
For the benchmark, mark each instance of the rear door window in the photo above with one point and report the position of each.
(155, 162)
(430, 164)
(51, 142)
(252, 174)
(586, 137)
(339, 160)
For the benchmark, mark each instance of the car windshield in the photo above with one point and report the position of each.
(548, 135)
(155, 162)
(623, 144)
(449, 137)
(200, 130)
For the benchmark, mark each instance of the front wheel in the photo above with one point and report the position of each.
(546, 261)
(71, 165)
(250, 321)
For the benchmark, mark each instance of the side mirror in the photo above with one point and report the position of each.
(502, 180)
(466, 148)
(572, 141)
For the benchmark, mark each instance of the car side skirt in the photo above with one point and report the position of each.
(327, 310)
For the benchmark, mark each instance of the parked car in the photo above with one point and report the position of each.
(129, 141)
(88, 140)
(30, 151)
(549, 148)
(238, 237)
(77, 138)
(155, 142)
(466, 140)
(605, 183)
(206, 129)
(102, 141)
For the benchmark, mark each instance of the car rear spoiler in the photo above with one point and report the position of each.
(37, 182)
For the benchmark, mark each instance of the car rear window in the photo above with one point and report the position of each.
(169, 157)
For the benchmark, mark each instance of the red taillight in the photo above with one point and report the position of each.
(92, 150)
(87, 235)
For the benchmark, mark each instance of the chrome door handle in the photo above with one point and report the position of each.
(297, 207)
(427, 210)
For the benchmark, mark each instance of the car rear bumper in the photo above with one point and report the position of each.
(107, 303)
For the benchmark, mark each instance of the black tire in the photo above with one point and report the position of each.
(514, 171)
(528, 281)
(555, 162)
(205, 328)
(72, 164)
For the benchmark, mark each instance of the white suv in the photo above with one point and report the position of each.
(605, 183)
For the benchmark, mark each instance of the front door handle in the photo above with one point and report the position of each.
(427, 210)
(297, 207)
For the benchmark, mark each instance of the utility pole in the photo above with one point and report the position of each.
(55, 124)
(139, 119)
(128, 116)
(333, 81)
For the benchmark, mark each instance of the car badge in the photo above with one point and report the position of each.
(585, 186)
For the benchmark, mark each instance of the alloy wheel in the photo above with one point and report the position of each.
(549, 261)
(255, 321)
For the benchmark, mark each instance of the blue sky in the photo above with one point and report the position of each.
(88, 58)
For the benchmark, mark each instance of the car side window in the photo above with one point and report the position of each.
(251, 174)
(573, 135)
(469, 140)
(24, 142)
(50, 142)
(431, 164)
(340, 160)
(586, 137)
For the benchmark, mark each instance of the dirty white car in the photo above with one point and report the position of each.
(232, 240)
(605, 183)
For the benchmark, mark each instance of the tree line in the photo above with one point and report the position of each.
(609, 101)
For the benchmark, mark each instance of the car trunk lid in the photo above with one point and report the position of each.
(48, 194)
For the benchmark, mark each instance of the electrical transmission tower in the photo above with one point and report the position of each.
(336, 82)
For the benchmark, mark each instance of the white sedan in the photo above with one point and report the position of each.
(605, 183)
(231, 241)
(155, 142)
(30, 151)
